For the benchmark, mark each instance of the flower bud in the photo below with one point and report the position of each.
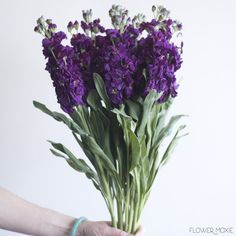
(181, 47)
(52, 27)
(177, 26)
(154, 8)
(41, 22)
(76, 25)
(96, 30)
(36, 29)
(87, 15)
(138, 19)
(119, 17)
(49, 21)
(164, 12)
(70, 26)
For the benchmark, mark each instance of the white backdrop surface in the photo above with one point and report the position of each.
(196, 188)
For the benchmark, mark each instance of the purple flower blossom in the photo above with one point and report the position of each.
(65, 74)
(132, 59)
(93, 27)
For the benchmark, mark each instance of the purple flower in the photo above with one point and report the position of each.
(160, 59)
(93, 27)
(132, 59)
(65, 74)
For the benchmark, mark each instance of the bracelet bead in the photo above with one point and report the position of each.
(76, 225)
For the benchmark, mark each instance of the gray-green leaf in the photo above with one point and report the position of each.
(101, 89)
(60, 117)
(135, 149)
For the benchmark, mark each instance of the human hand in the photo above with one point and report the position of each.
(102, 228)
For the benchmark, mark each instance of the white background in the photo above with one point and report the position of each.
(196, 188)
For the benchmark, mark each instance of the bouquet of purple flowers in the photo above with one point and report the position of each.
(116, 86)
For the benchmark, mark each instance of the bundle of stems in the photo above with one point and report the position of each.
(124, 146)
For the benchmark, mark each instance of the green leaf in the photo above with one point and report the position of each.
(145, 172)
(147, 106)
(57, 153)
(97, 127)
(121, 112)
(125, 122)
(167, 130)
(78, 164)
(143, 147)
(145, 163)
(100, 126)
(60, 117)
(93, 99)
(167, 104)
(96, 185)
(135, 150)
(93, 147)
(155, 116)
(160, 123)
(87, 152)
(134, 109)
(172, 145)
(101, 89)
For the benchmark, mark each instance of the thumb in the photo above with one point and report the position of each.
(117, 232)
(140, 231)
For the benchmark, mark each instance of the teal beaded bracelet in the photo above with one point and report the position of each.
(76, 225)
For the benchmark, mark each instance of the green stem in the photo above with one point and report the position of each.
(143, 202)
(137, 200)
(111, 203)
(135, 218)
(119, 197)
(109, 207)
(127, 204)
(107, 193)
(120, 213)
(113, 217)
(131, 211)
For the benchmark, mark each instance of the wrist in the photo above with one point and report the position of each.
(80, 231)
(65, 225)
(79, 227)
(55, 223)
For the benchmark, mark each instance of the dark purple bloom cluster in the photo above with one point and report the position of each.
(117, 64)
(132, 60)
(64, 72)
(160, 59)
